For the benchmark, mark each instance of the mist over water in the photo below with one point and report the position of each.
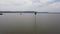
(16, 23)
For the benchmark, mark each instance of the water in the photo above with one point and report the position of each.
(15, 23)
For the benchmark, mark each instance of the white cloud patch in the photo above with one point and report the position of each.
(45, 1)
(42, 2)
(15, 5)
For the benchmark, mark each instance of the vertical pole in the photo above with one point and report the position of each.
(35, 24)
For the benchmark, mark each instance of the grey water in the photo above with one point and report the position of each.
(28, 23)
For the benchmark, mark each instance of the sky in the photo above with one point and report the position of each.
(30, 5)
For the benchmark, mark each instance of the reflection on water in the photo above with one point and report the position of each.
(14, 23)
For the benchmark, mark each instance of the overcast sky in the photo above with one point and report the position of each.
(30, 5)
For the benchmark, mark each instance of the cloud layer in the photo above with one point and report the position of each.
(47, 6)
(25, 5)
(15, 5)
